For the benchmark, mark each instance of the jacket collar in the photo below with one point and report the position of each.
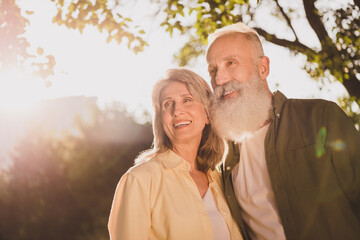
(170, 160)
(278, 100)
(233, 155)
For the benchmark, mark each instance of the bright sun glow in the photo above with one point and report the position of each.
(18, 91)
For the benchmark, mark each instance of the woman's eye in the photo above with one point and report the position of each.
(167, 104)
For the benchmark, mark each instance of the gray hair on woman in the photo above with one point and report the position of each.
(211, 146)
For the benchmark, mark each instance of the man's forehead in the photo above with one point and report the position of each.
(223, 57)
(231, 37)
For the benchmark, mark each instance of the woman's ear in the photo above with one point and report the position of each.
(207, 121)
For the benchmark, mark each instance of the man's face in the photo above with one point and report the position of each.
(242, 99)
(230, 58)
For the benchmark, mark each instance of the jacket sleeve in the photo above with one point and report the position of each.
(343, 140)
(130, 211)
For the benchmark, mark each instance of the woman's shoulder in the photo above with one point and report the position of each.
(146, 168)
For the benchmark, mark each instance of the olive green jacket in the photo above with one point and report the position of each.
(312, 152)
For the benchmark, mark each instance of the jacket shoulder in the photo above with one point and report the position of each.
(309, 106)
(310, 102)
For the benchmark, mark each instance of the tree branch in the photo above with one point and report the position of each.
(357, 3)
(352, 85)
(292, 45)
(315, 21)
(287, 19)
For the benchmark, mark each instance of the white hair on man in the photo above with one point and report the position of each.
(238, 118)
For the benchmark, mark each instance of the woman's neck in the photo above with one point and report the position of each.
(188, 153)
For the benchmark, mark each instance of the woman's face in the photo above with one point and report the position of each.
(183, 117)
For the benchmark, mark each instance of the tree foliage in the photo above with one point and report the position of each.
(12, 26)
(105, 15)
(63, 188)
(337, 30)
(17, 53)
(15, 50)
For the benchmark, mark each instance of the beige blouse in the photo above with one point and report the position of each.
(158, 199)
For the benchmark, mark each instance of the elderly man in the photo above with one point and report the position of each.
(292, 170)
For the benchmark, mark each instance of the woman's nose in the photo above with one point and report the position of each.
(177, 109)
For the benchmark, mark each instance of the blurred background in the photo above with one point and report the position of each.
(76, 79)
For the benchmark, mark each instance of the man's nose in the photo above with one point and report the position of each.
(221, 77)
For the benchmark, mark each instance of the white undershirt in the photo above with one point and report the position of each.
(253, 189)
(220, 229)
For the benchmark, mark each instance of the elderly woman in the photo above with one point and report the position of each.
(172, 192)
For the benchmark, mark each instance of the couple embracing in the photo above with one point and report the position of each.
(240, 162)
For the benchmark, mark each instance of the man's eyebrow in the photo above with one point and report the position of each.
(229, 57)
(210, 67)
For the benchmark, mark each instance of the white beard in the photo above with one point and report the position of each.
(239, 117)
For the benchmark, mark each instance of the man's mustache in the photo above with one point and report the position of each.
(222, 90)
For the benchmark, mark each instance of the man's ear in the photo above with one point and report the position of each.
(264, 67)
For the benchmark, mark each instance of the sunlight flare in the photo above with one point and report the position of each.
(18, 91)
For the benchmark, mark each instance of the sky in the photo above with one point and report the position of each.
(88, 66)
